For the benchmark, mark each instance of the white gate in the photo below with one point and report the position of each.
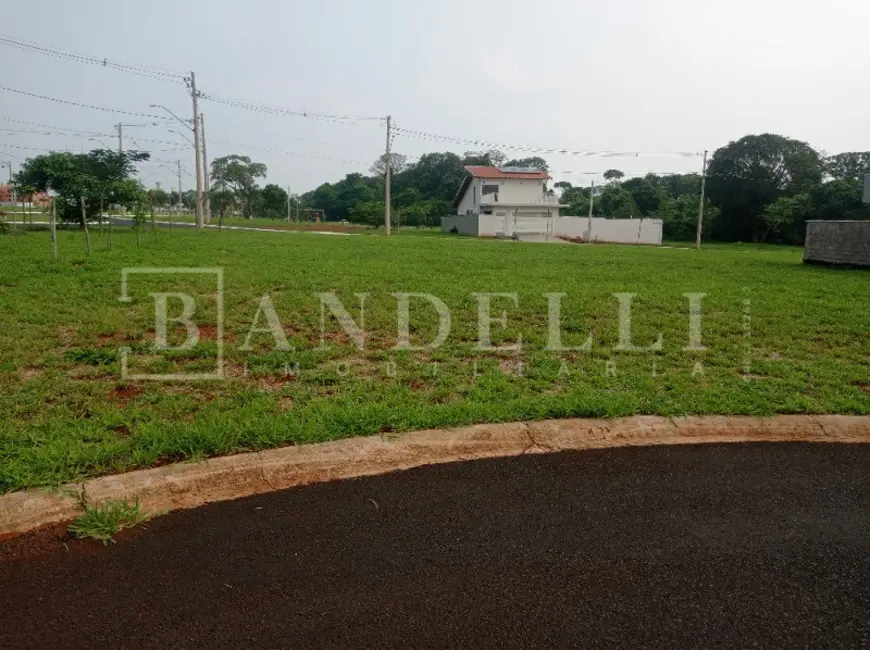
(525, 225)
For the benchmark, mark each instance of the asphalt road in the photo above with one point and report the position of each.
(698, 546)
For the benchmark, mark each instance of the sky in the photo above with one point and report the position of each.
(657, 77)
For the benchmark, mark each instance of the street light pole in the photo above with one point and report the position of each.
(207, 203)
(387, 178)
(701, 204)
(195, 96)
(196, 145)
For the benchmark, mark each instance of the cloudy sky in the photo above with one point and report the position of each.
(632, 76)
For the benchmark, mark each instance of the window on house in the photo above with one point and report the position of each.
(487, 211)
(489, 189)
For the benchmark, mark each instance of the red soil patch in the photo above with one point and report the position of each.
(121, 430)
(206, 332)
(108, 338)
(123, 395)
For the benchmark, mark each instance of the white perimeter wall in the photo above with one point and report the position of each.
(466, 225)
(619, 231)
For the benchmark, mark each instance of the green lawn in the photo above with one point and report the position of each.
(800, 344)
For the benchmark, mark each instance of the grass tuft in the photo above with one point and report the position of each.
(104, 520)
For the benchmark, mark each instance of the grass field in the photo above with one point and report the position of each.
(780, 337)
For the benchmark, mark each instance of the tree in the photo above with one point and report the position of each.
(616, 201)
(535, 162)
(563, 185)
(491, 158)
(680, 218)
(577, 200)
(747, 175)
(370, 213)
(238, 174)
(100, 176)
(437, 176)
(840, 199)
(679, 184)
(400, 163)
(786, 215)
(613, 175)
(160, 197)
(273, 201)
(222, 201)
(848, 166)
(648, 193)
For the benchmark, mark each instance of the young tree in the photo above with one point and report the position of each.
(613, 175)
(239, 175)
(101, 177)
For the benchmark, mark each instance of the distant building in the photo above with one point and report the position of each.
(511, 202)
(38, 199)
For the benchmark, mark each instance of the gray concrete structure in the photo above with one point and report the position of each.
(838, 242)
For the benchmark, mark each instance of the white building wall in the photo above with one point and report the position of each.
(512, 190)
(468, 201)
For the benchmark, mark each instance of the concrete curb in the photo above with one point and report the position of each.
(188, 485)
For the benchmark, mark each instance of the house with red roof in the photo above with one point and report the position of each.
(503, 202)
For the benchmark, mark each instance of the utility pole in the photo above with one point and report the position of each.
(193, 94)
(53, 229)
(120, 151)
(387, 178)
(591, 203)
(288, 204)
(11, 189)
(701, 205)
(180, 202)
(207, 204)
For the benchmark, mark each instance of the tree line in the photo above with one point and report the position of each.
(761, 188)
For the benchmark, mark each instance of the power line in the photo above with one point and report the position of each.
(289, 153)
(263, 108)
(16, 146)
(289, 137)
(152, 73)
(164, 75)
(51, 126)
(422, 135)
(71, 103)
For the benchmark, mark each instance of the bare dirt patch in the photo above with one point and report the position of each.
(123, 395)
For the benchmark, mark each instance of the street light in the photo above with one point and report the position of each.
(192, 125)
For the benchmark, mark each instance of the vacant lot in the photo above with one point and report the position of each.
(780, 337)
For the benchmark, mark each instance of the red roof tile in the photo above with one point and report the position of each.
(484, 171)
